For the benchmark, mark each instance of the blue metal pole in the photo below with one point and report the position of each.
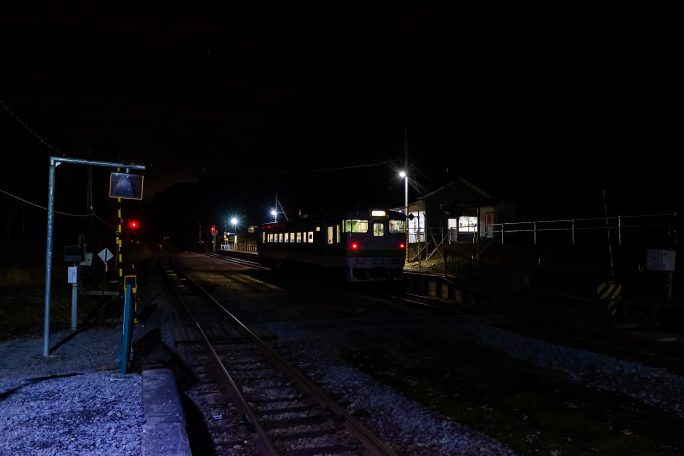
(48, 258)
(127, 331)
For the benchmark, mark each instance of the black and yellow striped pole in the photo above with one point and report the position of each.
(119, 241)
(119, 237)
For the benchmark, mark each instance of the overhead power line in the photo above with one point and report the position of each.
(28, 128)
(31, 203)
(232, 171)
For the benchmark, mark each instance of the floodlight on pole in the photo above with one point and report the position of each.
(234, 222)
(274, 213)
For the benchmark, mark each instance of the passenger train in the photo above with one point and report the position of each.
(365, 245)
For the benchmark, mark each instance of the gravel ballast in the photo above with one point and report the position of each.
(73, 402)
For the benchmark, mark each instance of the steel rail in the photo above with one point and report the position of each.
(234, 260)
(370, 442)
(263, 441)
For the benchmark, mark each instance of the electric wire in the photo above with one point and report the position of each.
(31, 203)
(28, 128)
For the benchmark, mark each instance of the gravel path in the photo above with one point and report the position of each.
(71, 403)
(650, 385)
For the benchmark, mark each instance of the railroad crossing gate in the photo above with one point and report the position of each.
(610, 292)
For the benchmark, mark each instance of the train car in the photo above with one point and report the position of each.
(366, 245)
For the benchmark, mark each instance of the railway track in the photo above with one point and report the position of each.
(283, 411)
(235, 260)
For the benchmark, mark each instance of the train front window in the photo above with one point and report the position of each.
(378, 229)
(396, 226)
(356, 226)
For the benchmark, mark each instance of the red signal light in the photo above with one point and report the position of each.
(402, 246)
(213, 229)
(355, 246)
(133, 224)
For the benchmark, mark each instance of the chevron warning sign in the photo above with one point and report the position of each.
(610, 292)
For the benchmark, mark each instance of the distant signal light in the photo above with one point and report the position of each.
(133, 224)
(355, 246)
(402, 246)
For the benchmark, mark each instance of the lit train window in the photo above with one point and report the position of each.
(310, 237)
(330, 234)
(292, 237)
(287, 237)
(280, 237)
(339, 238)
(396, 226)
(270, 237)
(263, 236)
(356, 226)
(299, 237)
(378, 229)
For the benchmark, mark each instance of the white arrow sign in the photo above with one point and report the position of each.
(105, 255)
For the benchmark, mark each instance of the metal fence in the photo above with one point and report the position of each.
(250, 248)
(569, 254)
(616, 225)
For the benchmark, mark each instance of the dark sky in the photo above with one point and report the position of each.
(546, 102)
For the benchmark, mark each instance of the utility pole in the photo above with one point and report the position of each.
(610, 247)
(282, 209)
(406, 212)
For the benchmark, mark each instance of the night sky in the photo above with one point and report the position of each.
(545, 102)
